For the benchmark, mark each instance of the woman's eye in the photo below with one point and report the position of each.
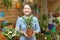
(28, 8)
(25, 8)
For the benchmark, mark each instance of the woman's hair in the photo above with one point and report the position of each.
(28, 3)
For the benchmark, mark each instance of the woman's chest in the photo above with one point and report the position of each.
(24, 24)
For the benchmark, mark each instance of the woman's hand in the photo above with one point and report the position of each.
(24, 33)
(34, 32)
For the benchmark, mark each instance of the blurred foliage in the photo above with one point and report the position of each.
(43, 21)
(7, 3)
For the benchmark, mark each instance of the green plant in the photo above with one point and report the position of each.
(28, 21)
(9, 33)
(56, 21)
(7, 3)
(58, 9)
(48, 37)
(43, 21)
(4, 23)
(35, 2)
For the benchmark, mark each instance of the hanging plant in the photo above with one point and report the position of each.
(35, 2)
(57, 9)
(7, 3)
(19, 4)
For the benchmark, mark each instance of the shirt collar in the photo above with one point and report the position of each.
(26, 16)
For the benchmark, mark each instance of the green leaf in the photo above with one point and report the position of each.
(56, 21)
(43, 21)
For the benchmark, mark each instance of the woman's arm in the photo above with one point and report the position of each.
(37, 27)
(17, 25)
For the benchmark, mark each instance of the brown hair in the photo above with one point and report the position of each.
(28, 3)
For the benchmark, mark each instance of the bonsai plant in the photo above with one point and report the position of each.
(7, 3)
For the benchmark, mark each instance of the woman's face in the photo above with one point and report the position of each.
(27, 10)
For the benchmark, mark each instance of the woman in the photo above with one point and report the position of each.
(21, 24)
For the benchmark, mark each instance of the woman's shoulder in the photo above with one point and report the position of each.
(35, 18)
(19, 18)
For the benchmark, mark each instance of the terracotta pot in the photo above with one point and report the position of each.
(29, 32)
(18, 5)
(57, 28)
(2, 37)
(56, 14)
(17, 38)
(0, 0)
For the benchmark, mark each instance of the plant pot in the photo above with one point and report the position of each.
(29, 32)
(17, 37)
(57, 28)
(2, 37)
(56, 14)
(0, 0)
(18, 5)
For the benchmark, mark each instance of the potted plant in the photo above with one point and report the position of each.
(7, 3)
(58, 28)
(56, 13)
(9, 32)
(43, 22)
(29, 31)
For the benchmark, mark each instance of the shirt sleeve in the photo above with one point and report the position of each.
(37, 27)
(18, 24)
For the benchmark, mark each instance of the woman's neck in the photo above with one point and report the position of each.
(27, 16)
